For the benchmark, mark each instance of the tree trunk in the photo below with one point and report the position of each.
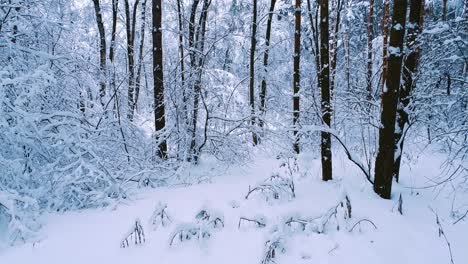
(325, 143)
(181, 54)
(296, 75)
(385, 21)
(370, 37)
(140, 55)
(197, 62)
(265, 62)
(386, 150)
(130, 28)
(334, 46)
(158, 79)
(409, 70)
(115, 8)
(252, 70)
(102, 49)
(444, 10)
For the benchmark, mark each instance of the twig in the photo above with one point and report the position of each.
(459, 219)
(362, 220)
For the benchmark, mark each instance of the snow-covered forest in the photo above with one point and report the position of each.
(233, 131)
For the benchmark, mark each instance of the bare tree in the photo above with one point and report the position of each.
(130, 24)
(296, 75)
(140, 55)
(102, 49)
(197, 46)
(253, 46)
(265, 62)
(158, 79)
(386, 149)
(410, 67)
(385, 22)
(370, 37)
(324, 83)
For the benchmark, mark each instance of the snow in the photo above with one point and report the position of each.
(94, 235)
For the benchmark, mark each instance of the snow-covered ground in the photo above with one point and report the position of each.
(94, 236)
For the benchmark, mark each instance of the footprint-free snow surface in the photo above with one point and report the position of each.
(341, 221)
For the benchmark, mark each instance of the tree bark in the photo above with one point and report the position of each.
(385, 21)
(253, 46)
(197, 63)
(297, 75)
(444, 10)
(115, 8)
(140, 55)
(130, 28)
(102, 49)
(181, 54)
(410, 68)
(334, 46)
(324, 82)
(265, 63)
(386, 150)
(158, 79)
(370, 37)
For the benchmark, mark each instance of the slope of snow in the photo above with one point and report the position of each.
(94, 236)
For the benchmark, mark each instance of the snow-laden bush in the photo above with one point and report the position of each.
(17, 218)
(135, 236)
(276, 187)
(160, 216)
(207, 222)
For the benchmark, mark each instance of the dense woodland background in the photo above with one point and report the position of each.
(82, 83)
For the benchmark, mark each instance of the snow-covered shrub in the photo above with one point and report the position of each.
(207, 222)
(17, 218)
(335, 218)
(272, 248)
(160, 216)
(210, 218)
(186, 232)
(275, 187)
(135, 236)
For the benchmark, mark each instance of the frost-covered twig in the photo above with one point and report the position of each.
(160, 216)
(135, 235)
(442, 234)
(259, 222)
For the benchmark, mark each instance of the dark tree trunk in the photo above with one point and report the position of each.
(130, 28)
(197, 63)
(324, 82)
(102, 49)
(115, 8)
(385, 21)
(296, 75)
(158, 79)
(265, 62)
(409, 69)
(444, 10)
(334, 46)
(253, 47)
(386, 150)
(140, 55)
(370, 37)
(181, 54)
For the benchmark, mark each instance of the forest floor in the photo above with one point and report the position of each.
(95, 235)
